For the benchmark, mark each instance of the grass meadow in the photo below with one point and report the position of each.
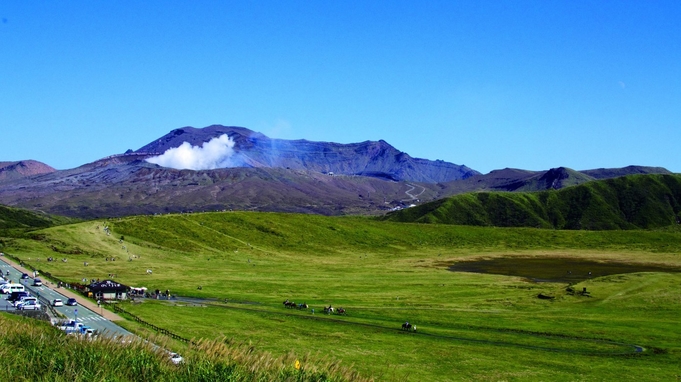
(470, 326)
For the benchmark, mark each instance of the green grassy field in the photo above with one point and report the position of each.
(470, 326)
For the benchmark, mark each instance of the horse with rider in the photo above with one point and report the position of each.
(408, 327)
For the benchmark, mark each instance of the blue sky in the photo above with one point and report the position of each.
(488, 84)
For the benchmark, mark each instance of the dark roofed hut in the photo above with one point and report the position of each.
(109, 290)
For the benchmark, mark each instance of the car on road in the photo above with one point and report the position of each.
(57, 302)
(71, 302)
(37, 282)
(176, 358)
(71, 326)
(24, 276)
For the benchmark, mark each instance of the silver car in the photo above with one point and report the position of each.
(29, 305)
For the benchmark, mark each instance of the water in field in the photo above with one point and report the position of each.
(553, 269)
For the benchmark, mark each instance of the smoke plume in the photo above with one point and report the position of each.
(216, 153)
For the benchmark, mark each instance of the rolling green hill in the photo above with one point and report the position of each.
(17, 218)
(631, 202)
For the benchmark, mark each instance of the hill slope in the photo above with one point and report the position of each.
(11, 218)
(631, 202)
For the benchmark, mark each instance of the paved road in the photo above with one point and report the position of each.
(86, 311)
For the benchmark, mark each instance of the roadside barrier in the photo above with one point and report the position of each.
(166, 332)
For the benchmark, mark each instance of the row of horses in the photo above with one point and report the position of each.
(293, 305)
(328, 310)
(331, 310)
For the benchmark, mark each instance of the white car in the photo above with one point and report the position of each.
(57, 302)
(29, 305)
(176, 358)
(24, 300)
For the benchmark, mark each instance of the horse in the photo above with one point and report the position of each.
(407, 326)
(302, 306)
(341, 311)
(328, 310)
(289, 304)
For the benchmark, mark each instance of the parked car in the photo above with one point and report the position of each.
(11, 288)
(29, 305)
(15, 296)
(24, 299)
(37, 282)
(57, 302)
(71, 302)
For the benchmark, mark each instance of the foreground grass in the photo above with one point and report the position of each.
(470, 326)
(31, 350)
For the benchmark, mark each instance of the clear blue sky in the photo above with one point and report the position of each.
(488, 84)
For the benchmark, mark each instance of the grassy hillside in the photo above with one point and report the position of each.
(632, 202)
(17, 218)
(470, 326)
(32, 350)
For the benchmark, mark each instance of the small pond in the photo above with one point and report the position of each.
(554, 269)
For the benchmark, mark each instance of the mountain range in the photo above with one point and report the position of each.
(265, 174)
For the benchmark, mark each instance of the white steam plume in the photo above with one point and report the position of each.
(216, 153)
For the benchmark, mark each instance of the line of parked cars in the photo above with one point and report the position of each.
(18, 296)
(24, 301)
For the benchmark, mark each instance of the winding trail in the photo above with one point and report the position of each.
(413, 187)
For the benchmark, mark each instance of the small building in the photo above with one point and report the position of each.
(108, 290)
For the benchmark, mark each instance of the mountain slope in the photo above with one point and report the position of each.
(374, 159)
(126, 185)
(631, 202)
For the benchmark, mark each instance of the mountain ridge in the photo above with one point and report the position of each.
(368, 158)
(370, 177)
